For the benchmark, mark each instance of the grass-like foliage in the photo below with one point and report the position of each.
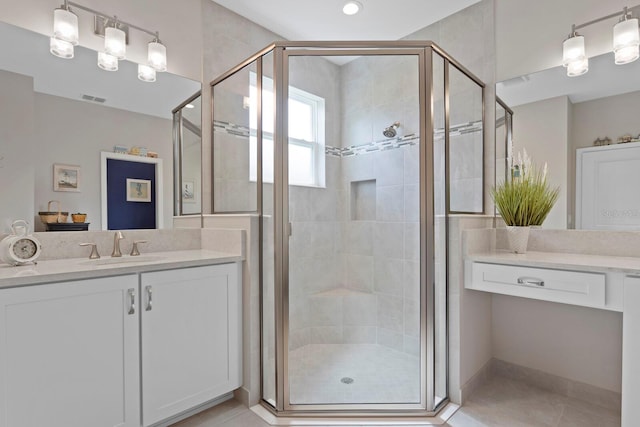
(527, 197)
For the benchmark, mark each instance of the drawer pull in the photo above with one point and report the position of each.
(530, 281)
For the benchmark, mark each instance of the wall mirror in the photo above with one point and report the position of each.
(556, 116)
(187, 156)
(57, 111)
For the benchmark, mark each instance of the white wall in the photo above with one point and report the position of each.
(16, 142)
(179, 24)
(577, 343)
(542, 128)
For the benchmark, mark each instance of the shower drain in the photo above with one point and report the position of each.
(346, 380)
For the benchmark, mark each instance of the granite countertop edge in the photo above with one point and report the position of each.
(561, 261)
(61, 270)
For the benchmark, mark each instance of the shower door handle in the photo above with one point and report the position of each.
(289, 229)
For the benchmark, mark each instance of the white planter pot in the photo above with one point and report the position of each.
(518, 238)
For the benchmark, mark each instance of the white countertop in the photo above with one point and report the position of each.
(84, 268)
(563, 261)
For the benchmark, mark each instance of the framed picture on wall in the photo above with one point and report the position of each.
(138, 190)
(66, 178)
(188, 192)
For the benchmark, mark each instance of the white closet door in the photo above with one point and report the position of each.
(608, 187)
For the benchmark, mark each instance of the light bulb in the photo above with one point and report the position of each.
(61, 48)
(578, 68)
(157, 56)
(351, 7)
(146, 73)
(626, 39)
(573, 50)
(65, 26)
(107, 62)
(115, 43)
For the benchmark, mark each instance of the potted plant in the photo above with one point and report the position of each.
(524, 200)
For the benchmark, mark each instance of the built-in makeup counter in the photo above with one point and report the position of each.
(588, 280)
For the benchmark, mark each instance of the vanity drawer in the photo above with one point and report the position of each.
(564, 286)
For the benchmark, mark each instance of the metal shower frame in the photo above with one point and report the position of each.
(282, 51)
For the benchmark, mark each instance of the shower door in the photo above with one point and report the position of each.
(355, 322)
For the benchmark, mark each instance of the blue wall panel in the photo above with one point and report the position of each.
(123, 215)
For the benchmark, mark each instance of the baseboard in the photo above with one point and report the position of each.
(193, 411)
(478, 380)
(563, 386)
(242, 396)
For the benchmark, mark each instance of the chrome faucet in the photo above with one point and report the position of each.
(116, 244)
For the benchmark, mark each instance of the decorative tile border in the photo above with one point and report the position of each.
(371, 147)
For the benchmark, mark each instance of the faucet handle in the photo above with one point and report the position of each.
(94, 250)
(134, 248)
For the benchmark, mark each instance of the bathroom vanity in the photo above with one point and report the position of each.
(118, 342)
(600, 282)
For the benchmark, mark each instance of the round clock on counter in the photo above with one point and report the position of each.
(19, 247)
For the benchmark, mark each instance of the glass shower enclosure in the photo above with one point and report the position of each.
(352, 154)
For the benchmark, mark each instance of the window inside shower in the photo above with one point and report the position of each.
(306, 134)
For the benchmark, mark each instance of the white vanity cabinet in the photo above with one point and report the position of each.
(191, 338)
(69, 354)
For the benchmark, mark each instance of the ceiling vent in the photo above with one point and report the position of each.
(93, 99)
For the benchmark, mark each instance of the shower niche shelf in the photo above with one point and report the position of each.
(363, 200)
(341, 292)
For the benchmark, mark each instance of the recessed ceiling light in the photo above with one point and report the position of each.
(189, 106)
(351, 7)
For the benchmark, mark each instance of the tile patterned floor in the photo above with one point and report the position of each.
(379, 374)
(499, 403)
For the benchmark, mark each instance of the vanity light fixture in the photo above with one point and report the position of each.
(65, 24)
(115, 41)
(351, 7)
(626, 39)
(626, 43)
(157, 55)
(146, 73)
(107, 62)
(115, 31)
(61, 48)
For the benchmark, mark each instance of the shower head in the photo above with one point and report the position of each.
(390, 132)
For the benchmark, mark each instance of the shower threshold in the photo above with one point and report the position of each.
(311, 419)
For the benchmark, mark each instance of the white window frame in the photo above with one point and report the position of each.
(317, 144)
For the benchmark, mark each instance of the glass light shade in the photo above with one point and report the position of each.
(115, 43)
(157, 56)
(146, 73)
(578, 68)
(65, 26)
(351, 7)
(627, 55)
(107, 62)
(61, 48)
(573, 50)
(626, 39)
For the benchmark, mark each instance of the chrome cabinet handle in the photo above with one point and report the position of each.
(530, 281)
(149, 298)
(132, 301)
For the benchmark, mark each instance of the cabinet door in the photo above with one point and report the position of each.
(191, 338)
(69, 354)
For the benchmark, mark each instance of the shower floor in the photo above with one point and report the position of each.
(379, 374)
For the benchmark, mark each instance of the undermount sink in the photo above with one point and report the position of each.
(123, 260)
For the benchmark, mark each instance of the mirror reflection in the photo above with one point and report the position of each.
(60, 114)
(564, 121)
